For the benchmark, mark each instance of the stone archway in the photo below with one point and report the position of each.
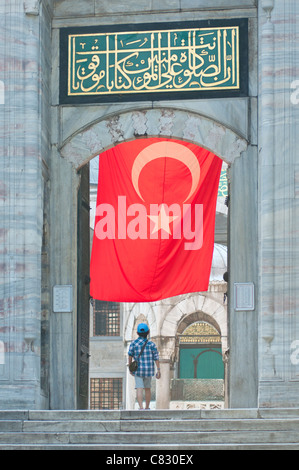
(192, 308)
(134, 312)
(187, 310)
(214, 314)
(112, 130)
(104, 133)
(168, 318)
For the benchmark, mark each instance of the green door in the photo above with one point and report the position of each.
(201, 363)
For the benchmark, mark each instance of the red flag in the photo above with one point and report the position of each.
(155, 220)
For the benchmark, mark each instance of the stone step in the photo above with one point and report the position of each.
(149, 426)
(214, 437)
(150, 430)
(229, 414)
(171, 448)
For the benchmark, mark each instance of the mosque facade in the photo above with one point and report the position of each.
(59, 110)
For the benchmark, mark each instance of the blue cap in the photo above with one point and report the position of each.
(142, 328)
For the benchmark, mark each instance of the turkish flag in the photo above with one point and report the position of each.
(155, 220)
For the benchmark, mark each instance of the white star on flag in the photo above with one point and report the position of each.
(162, 221)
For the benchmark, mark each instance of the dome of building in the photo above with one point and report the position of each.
(94, 170)
(219, 263)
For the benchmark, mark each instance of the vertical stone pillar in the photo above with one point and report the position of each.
(279, 208)
(130, 392)
(267, 186)
(64, 192)
(163, 386)
(21, 208)
(243, 324)
(21, 201)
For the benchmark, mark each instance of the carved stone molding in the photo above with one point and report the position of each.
(268, 6)
(98, 136)
(31, 7)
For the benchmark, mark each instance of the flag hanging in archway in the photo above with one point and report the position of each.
(155, 220)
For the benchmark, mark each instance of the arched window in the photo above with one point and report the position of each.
(200, 352)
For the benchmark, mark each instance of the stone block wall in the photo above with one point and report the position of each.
(24, 147)
(37, 137)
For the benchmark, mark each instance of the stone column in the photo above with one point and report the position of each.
(163, 386)
(21, 214)
(268, 183)
(130, 392)
(279, 208)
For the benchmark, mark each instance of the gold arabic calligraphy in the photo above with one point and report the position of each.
(153, 61)
(223, 184)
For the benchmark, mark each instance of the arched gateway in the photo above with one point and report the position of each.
(71, 94)
(54, 119)
(103, 133)
(96, 137)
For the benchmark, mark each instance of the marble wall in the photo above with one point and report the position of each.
(278, 204)
(23, 147)
(42, 144)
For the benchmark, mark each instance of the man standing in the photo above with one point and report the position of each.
(146, 364)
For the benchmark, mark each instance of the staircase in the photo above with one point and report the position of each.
(157, 430)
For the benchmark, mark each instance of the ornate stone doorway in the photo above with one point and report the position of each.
(106, 132)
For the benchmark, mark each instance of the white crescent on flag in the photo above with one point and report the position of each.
(169, 150)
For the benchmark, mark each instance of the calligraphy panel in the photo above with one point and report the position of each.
(223, 184)
(189, 60)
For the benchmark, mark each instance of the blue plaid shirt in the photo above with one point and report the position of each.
(146, 362)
